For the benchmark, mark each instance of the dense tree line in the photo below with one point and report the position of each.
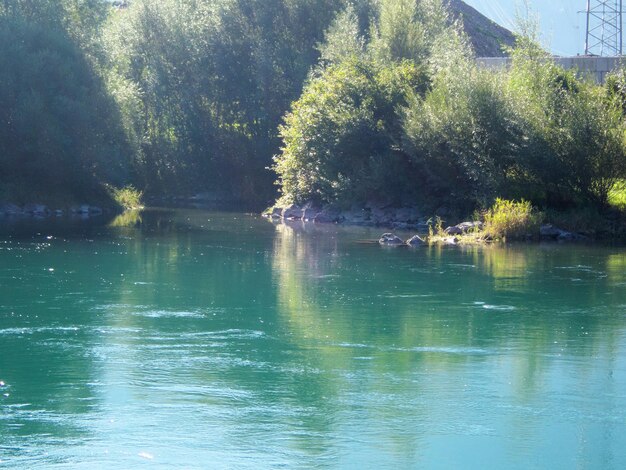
(454, 135)
(356, 100)
(60, 132)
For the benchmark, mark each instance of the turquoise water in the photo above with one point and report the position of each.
(189, 339)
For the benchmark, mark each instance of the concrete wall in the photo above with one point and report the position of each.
(594, 67)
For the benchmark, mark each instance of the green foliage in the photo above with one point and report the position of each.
(60, 133)
(127, 198)
(341, 137)
(511, 219)
(407, 30)
(574, 149)
(343, 39)
(463, 137)
(203, 86)
(617, 195)
(179, 96)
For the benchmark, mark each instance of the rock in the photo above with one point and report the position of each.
(356, 216)
(292, 212)
(83, 209)
(59, 212)
(566, 236)
(95, 210)
(309, 213)
(549, 231)
(463, 228)
(415, 241)
(35, 209)
(10, 209)
(390, 239)
(328, 216)
(277, 213)
(383, 216)
(449, 241)
(407, 215)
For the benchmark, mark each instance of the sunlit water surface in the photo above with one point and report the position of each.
(189, 339)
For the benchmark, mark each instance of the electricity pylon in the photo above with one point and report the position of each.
(604, 28)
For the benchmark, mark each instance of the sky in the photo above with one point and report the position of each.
(562, 22)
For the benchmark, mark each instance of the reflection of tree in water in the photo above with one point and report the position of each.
(439, 309)
(305, 339)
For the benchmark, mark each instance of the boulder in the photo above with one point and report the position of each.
(10, 209)
(566, 236)
(277, 213)
(449, 241)
(35, 209)
(549, 231)
(309, 213)
(389, 239)
(83, 209)
(383, 216)
(328, 216)
(292, 212)
(356, 216)
(464, 227)
(415, 241)
(407, 215)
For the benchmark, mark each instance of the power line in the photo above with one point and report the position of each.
(604, 28)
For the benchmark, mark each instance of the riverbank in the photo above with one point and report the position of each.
(506, 220)
(38, 210)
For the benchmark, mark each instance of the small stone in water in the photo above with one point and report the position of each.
(2, 384)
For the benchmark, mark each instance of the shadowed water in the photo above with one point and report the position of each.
(191, 339)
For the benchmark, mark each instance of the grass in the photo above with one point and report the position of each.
(504, 220)
(127, 197)
(512, 219)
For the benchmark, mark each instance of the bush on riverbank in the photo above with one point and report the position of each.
(127, 198)
(511, 220)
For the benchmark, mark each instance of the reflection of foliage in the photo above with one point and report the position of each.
(508, 267)
(616, 267)
(130, 218)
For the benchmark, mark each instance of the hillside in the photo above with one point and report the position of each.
(486, 36)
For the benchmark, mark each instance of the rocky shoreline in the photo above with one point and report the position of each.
(406, 218)
(41, 211)
(370, 215)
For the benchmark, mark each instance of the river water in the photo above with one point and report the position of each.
(190, 339)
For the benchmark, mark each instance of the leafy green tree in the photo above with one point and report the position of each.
(211, 82)
(341, 138)
(60, 133)
(575, 137)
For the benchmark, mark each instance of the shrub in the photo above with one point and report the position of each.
(573, 148)
(511, 219)
(340, 138)
(127, 198)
